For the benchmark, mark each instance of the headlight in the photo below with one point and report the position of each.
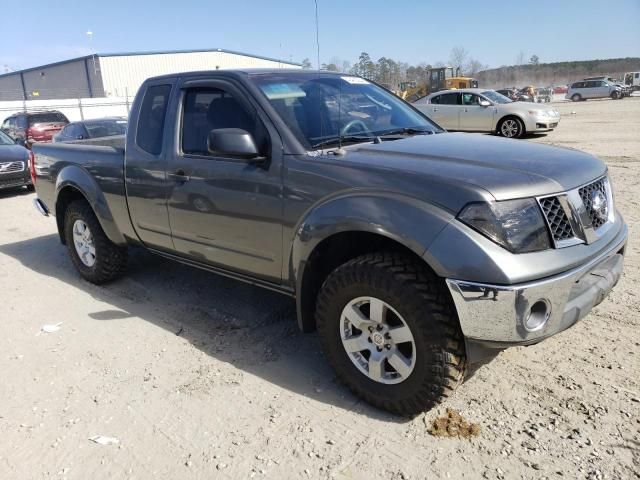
(517, 225)
(539, 113)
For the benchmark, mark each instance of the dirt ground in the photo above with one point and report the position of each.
(198, 376)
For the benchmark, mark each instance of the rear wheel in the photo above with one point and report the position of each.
(96, 257)
(390, 331)
(511, 127)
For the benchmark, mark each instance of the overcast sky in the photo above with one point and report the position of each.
(421, 31)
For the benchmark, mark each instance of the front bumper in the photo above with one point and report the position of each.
(495, 316)
(15, 180)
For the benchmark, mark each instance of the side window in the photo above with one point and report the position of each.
(602, 84)
(470, 99)
(152, 115)
(449, 99)
(207, 109)
(637, 75)
(21, 121)
(436, 99)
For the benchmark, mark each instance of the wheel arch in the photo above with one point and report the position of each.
(511, 115)
(341, 230)
(74, 183)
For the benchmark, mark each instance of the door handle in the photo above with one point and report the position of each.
(179, 176)
(435, 109)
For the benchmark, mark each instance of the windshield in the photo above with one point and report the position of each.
(106, 128)
(5, 139)
(496, 97)
(321, 108)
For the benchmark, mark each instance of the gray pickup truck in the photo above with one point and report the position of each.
(414, 252)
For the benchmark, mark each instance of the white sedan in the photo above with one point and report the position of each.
(480, 110)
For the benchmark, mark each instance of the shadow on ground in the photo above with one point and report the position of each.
(251, 328)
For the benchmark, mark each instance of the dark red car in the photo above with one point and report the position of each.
(27, 128)
(560, 89)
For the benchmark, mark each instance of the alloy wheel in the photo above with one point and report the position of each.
(377, 340)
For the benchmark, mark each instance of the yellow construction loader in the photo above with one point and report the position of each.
(440, 78)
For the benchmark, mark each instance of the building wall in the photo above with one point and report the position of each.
(11, 87)
(74, 79)
(123, 75)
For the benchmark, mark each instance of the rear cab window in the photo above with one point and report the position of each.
(152, 117)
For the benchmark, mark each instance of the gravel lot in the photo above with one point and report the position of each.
(202, 377)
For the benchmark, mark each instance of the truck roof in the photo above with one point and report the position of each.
(251, 71)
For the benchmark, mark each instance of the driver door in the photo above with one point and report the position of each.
(473, 116)
(223, 210)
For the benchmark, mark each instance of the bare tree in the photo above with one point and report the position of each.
(520, 58)
(474, 66)
(534, 60)
(458, 57)
(306, 64)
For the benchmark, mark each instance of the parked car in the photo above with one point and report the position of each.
(480, 110)
(624, 89)
(26, 128)
(414, 252)
(14, 161)
(560, 89)
(590, 89)
(92, 129)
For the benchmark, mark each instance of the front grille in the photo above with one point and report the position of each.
(11, 167)
(13, 182)
(557, 219)
(594, 197)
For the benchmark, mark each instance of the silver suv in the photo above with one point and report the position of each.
(588, 89)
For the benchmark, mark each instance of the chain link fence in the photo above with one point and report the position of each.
(74, 109)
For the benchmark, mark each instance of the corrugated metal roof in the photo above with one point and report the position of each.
(158, 52)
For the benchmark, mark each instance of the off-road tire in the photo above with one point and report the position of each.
(421, 298)
(111, 260)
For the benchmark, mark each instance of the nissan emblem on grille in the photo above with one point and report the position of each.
(599, 205)
(594, 198)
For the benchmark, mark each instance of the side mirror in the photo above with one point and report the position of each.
(233, 142)
(484, 103)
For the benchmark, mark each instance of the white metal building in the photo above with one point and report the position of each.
(119, 74)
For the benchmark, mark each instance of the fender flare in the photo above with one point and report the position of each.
(408, 221)
(78, 179)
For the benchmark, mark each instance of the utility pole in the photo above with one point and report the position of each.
(89, 34)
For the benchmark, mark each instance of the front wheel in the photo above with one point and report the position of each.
(511, 127)
(576, 97)
(389, 329)
(615, 95)
(96, 257)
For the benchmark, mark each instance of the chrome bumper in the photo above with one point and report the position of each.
(496, 316)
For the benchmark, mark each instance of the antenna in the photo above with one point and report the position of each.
(317, 36)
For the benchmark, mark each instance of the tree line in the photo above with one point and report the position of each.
(390, 72)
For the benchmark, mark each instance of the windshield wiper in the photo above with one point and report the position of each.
(342, 139)
(405, 131)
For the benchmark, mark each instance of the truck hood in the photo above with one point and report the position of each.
(505, 168)
(13, 153)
